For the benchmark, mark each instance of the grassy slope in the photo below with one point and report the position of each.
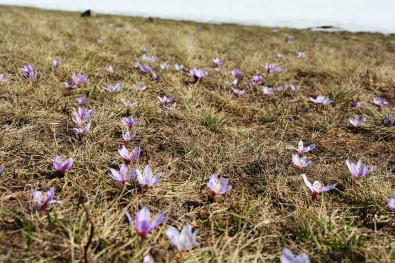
(211, 131)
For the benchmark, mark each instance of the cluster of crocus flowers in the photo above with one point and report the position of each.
(184, 240)
(357, 121)
(43, 201)
(30, 72)
(321, 100)
(288, 257)
(147, 177)
(143, 223)
(316, 187)
(359, 169)
(218, 186)
(198, 74)
(301, 149)
(61, 166)
(81, 119)
(270, 68)
(123, 175)
(113, 88)
(379, 101)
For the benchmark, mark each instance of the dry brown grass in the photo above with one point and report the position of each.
(211, 131)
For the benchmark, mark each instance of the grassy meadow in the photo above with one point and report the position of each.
(243, 138)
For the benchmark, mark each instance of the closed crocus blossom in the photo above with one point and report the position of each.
(114, 88)
(184, 240)
(127, 137)
(237, 74)
(142, 223)
(301, 149)
(391, 203)
(267, 91)
(61, 166)
(165, 99)
(388, 120)
(147, 178)
(300, 162)
(288, 257)
(43, 201)
(129, 122)
(317, 187)
(81, 100)
(123, 174)
(359, 169)
(321, 100)
(218, 185)
(379, 101)
(357, 121)
(129, 156)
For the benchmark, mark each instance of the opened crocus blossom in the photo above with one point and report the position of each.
(164, 66)
(129, 104)
(300, 162)
(179, 67)
(129, 157)
(218, 61)
(172, 107)
(165, 99)
(238, 92)
(139, 87)
(301, 149)
(288, 257)
(129, 122)
(379, 101)
(147, 178)
(357, 121)
(391, 203)
(79, 79)
(62, 166)
(198, 73)
(114, 88)
(123, 174)
(359, 169)
(267, 91)
(56, 63)
(321, 100)
(317, 187)
(43, 201)
(142, 223)
(184, 240)
(81, 117)
(30, 72)
(218, 185)
(257, 79)
(127, 137)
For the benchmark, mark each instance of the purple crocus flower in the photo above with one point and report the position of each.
(127, 137)
(129, 122)
(184, 240)
(391, 203)
(81, 100)
(301, 54)
(123, 174)
(129, 157)
(288, 257)
(218, 185)
(388, 120)
(179, 67)
(273, 68)
(137, 65)
(82, 130)
(44, 201)
(114, 89)
(219, 69)
(257, 79)
(198, 73)
(164, 66)
(237, 74)
(359, 169)
(1, 170)
(61, 166)
(110, 69)
(267, 91)
(56, 63)
(356, 104)
(300, 162)
(147, 178)
(165, 100)
(30, 72)
(148, 259)
(81, 116)
(172, 107)
(218, 61)
(69, 84)
(146, 69)
(139, 87)
(129, 104)
(142, 223)
(79, 79)
(238, 92)
(281, 88)
(357, 121)
(295, 88)
(379, 101)
(321, 100)
(301, 149)
(3, 78)
(317, 187)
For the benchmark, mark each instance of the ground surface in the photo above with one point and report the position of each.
(211, 131)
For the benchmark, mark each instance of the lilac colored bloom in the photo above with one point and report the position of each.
(148, 58)
(70, 84)
(172, 107)
(321, 100)
(288, 257)
(165, 99)
(142, 223)
(359, 169)
(218, 61)
(179, 67)
(30, 72)
(129, 104)
(184, 240)
(388, 120)
(267, 91)
(129, 157)
(137, 65)
(164, 66)
(154, 75)
(61, 166)
(56, 63)
(129, 122)
(281, 88)
(301, 54)
(218, 185)
(82, 130)
(257, 79)
(295, 88)
(1, 170)
(357, 121)
(146, 69)
(300, 162)
(114, 89)
(238, 92)
(237, 74)
(123, 174)
(79, 79)
(44, 201)
(301, 149)
(139, 87)
(110, 69)
(81, 100)
(81, 116)
(127, 137)
(219, 69)
(3, 78)
(198, 73)
(273, 68)
(356, 104)
(148, 259)
(391, 203)
(379, 101)
(317, 187)
(147, 178)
